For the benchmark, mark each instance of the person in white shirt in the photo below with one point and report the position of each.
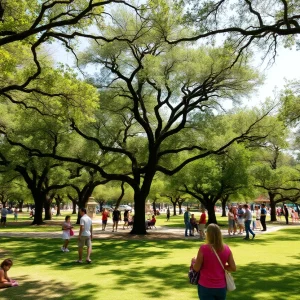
(85, 235)
(248, 220)
(4, 213)
(257, 217)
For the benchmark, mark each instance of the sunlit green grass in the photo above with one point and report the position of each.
(24, 223)
(268, 268)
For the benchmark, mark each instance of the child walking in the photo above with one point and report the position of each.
(5, 281)
(67, 233)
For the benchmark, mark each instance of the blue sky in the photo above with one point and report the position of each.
(285, 67)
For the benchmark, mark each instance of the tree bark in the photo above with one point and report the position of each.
(47, 206)
(180, 207)
(272, 206)
(20, 205)
(174, 207)
(224, 201)
(210, 206)
(139, 226)
(58, 201)
(74, 202)
(82, 203)
(154, 207)
(83, 197)
(39, 205)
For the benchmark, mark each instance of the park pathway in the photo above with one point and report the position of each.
(160, 232)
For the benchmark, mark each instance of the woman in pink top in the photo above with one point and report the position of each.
(212, 283)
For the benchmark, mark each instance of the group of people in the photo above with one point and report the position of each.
(284, 211)
(116, 217)
(191, 224)
(241, 217)
(85, 235)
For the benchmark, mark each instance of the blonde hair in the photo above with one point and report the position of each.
(214, 237)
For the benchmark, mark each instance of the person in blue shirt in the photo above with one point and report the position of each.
(263, 215)
(188, 227)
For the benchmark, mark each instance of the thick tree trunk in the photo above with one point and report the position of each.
(20, 205)
(58, 208)
(139, 226)
(47, 206)
(224, 202)
(180, 208)
(210, 206)
(39, 205)
(74, 202)
(174, 208)
(223, 208)
(272, 207)
(82, 203)
(83, 198)
(58, 201)
(154, 207)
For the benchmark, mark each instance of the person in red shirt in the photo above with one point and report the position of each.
(202, 223)
(151, 222)
(105, 215)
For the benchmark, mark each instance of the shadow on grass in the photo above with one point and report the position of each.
(40, 289)
(113, 251)
(47, 251)
(266, 281)
(157, 280)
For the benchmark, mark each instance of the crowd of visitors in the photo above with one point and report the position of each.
(242, 219)
(192, 224)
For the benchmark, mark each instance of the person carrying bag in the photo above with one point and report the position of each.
(212, 283)
(230, 285)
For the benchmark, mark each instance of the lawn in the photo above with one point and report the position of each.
(268, 268)
(24, 223)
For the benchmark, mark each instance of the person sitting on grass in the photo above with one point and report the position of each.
(5, 281)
